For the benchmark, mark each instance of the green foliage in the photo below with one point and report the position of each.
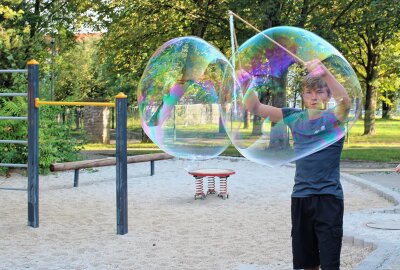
(140, 27)
(29, 28)
(362, 30)
(76, 71)
(388, 81)
(56, 140)
(56, 143)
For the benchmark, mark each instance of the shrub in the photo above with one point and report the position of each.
(57, 142)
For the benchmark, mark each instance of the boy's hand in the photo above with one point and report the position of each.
(244, 79)
(315, 67)
(398, 168)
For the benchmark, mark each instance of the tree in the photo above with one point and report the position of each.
(364, 32)
(264, 15)
(77, 71)
(388, 81)
(138, 28)
(24, 26)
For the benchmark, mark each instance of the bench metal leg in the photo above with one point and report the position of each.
(151, 167)
(76, 178)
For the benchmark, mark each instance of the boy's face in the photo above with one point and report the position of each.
(316, 98)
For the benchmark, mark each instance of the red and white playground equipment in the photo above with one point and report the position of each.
(223, 175)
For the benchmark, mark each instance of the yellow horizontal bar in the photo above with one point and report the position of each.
(73, 103)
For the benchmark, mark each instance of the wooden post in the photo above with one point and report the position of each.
(33, 145)
(121, 164)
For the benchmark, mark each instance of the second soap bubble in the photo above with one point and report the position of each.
(178, 98)
(271, 68)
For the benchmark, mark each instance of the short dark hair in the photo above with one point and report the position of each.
(315, 82)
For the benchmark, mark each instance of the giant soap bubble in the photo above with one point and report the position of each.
(270, 67)
(178, 98)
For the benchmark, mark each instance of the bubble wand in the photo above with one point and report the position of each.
(230, 13)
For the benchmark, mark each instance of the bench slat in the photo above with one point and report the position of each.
(83, 164)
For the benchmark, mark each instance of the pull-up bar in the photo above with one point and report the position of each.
(38, 102)
(120, 104)
(34, 103)
(13, 70)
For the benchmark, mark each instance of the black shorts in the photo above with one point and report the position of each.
(317, 231)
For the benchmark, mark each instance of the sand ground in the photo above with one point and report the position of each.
(168, 229)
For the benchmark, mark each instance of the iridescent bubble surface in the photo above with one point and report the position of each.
(178, 98)
(310, 120)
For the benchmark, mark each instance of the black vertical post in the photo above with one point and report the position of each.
(76, 178)
(121, 166)
(151, 167)
(33, 144)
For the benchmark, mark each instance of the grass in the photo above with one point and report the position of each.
(384, 146)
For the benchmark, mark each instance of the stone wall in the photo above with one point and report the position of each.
(97, 125)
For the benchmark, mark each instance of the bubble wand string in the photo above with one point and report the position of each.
(232, 29)
(233, 60)
(267, 37)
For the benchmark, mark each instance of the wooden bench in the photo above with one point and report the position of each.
(92, 163)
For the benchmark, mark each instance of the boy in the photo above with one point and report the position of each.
(317, 197)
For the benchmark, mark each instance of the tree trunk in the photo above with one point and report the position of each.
(145, 138)
(199, 25)
(34, 24)
(387, 107)
(273, 10)
(370, 91)
(78, 118)
(304, 13)
(257, 123)
(246, 119)
(279, 138)
(370, 109)
(221, 127)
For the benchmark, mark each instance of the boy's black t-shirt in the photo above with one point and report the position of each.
(317, 173)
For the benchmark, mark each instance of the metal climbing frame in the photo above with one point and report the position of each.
(33, 146)
(13, 118)
(121, 106)
(32, 142)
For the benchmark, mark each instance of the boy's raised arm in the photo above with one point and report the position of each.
(254, 106)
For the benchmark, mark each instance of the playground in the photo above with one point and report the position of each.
(167, 228)
(173, 134)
